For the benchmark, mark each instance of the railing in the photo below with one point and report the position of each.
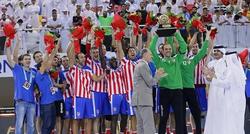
(234, 36)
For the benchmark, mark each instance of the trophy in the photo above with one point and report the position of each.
(165, 28)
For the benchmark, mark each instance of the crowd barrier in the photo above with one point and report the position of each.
(233, 36)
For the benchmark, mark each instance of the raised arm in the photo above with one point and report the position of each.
(16, 51)
(182, 46)
(71, 54)
(202, 52)
(48, 59)
(182, 43)
(9, 59)
(149, 38)
(120, 53)
(153, 50)
(139, 45)
(192, 41)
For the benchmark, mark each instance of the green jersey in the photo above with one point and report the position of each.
(188, 66)
(170, 65)
(106, 22)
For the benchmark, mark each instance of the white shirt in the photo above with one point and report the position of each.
(218, 19)
(133, 7)
(152, 7)
(91, 14)
(229, 20)
(243, 19)
(56, 22)
(32, 40)
(20, 13)
(175, 9)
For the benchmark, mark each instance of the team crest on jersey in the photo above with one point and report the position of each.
(114, 109)
(78, 114)
(67, 113)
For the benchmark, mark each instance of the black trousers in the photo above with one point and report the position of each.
(247, 117)
(175, 99)
(190, 98)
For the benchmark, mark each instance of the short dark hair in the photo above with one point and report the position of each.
(20, 58)
(36, 52)
(26, 55)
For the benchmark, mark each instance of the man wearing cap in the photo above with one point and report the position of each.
(218, 75)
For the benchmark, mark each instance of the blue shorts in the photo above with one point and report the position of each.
(38, 112)
(156, 99)
(101, 104)
(68, 102)
(83, 108)
(118, 104)
(130, 109)
(201, 97)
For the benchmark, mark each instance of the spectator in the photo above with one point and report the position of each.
(175, 7)
(163, 7)
(239, 18)
(20, 26)
(152, 7)
(105, 21)
(206, 17)
(133, 6)
(143, 12)
(246, 12)
(229, 17)
(54, 23)
(3, 20)
(32, 14)
(42, 31)
(218, 19)
(20, 12)
(31, 39)
(65, 29)
(89, 13)
(72, 7)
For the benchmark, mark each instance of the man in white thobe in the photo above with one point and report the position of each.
(223, 96)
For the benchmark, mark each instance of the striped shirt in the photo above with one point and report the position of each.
(96, 68)
(115, 84)
(80, 81)
(68, 91)
(128, 67)
(199, 78)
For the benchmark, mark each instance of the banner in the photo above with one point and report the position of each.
(5, 69)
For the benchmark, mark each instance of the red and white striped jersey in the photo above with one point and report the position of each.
(68, 91)
(87, 82)
(80, 82)
(128, 67)
(96, 68)
(198, 76)
(115, 83)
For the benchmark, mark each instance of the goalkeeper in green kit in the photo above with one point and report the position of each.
(188, 70)
(170, 85)
(180, 76)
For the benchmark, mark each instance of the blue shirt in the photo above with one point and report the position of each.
(59, 80)
(247, 72)
(45, 84)
(152, 68)
(20, 92)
